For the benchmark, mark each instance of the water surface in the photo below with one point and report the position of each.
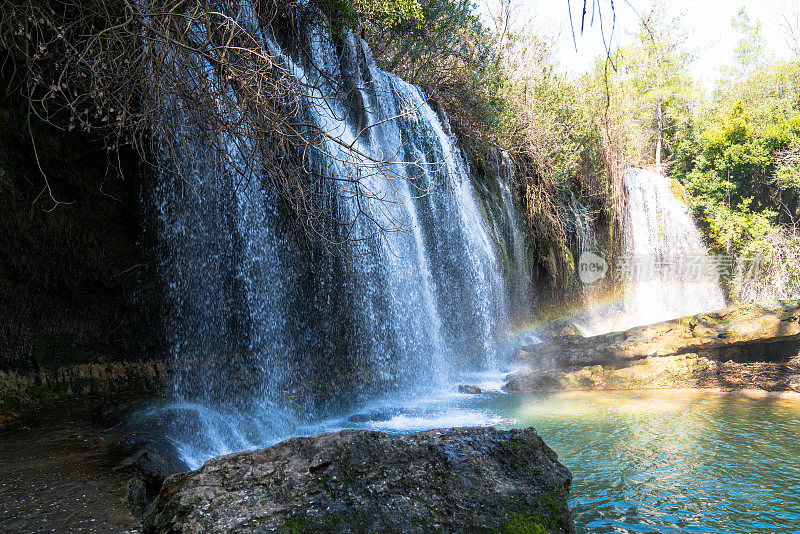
(656, 461)
(664, 461)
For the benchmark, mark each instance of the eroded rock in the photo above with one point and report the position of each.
(738, 348)
(456, 480)
(687, 370)
(740, 330)
(152, 459)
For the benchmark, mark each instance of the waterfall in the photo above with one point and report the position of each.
(508, 226)
(590, 320)
(671, 272)
(436, 278)
(582, 226)
(258, 332)
(665, 269)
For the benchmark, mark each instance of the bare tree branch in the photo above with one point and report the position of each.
(124, 71)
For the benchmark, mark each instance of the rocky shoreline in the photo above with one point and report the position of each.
(754, 347)
(59, 473)
(82, 468)
(455, 480)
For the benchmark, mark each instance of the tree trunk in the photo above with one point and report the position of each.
(659, 138)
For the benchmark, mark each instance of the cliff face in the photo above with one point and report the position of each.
(76, 284)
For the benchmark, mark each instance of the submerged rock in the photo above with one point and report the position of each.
(367, 417)
(558, 329)
(470, 389)
(455, 480)
(568, 329)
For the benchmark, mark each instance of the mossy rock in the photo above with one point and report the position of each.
(455, 480)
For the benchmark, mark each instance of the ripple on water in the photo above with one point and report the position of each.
(667, 461)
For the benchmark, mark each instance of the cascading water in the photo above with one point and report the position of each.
(436, 278)
(671, 272)
(514, 237)
(253, 328)
(665, 269)
(582, 226)
(591, 319)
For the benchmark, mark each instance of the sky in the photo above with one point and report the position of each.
(711, 39)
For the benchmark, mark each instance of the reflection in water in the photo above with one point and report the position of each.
(652, 461)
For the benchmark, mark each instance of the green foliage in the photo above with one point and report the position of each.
(789, 178)
(452, 56)
(739, 185)
(652, 90)
(741, 168)
(733, 158)
(521, 524)
(772, 92)
(749, 51)
(390, 12)
(642, 95)
(348, 14)
(738, 229)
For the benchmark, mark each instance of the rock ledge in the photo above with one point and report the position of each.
(753, 346)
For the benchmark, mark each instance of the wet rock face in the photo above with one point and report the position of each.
(152, 459)
(688, 370)
(455, 480)
(24, 390)
(469, 389)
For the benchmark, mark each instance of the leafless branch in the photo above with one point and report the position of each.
(162, 75)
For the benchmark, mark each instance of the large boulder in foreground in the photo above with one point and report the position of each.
(456, 480)
(753, 346)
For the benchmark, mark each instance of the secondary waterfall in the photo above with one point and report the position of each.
(590, 320)
(671, 274)
(581, 220)
(263, 337)
(508, 226)
(664, 269)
